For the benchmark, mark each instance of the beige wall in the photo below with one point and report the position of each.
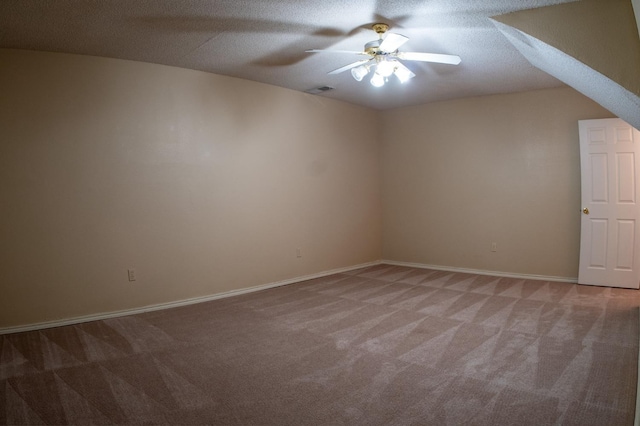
(462, 174)
(202, 183)
(207, 184)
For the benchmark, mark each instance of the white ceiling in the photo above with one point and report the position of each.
(265, 41)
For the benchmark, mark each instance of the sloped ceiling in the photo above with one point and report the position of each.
(593, 46)
(265, 41)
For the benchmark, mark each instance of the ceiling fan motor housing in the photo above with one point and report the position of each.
(373, 47)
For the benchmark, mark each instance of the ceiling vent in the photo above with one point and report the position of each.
(319, 90)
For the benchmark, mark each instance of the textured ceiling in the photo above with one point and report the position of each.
(265, 40)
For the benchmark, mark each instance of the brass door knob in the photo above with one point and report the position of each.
(585, 210)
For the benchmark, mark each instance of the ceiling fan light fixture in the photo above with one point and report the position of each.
(360, 72)
(385, 68)
(377, 80)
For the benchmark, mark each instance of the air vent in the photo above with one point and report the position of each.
(318, 90)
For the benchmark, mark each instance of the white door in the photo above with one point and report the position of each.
(610, 228)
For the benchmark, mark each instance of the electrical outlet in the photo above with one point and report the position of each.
(298, 252)
(494, 246)
(132, 274)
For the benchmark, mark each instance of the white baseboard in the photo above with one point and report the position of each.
(482, 272)
(184, 302)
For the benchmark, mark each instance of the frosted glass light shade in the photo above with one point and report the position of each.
(385, 68)
(359, 72)
(403, 73)
(377, 80)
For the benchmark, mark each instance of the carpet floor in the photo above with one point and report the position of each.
(384, 345)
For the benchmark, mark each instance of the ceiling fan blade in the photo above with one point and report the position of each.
(392, 41)
(356, 52)
(430, 57)
(348, 67)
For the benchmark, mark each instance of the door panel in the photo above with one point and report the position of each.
(626, 231)
(610, 236)
(626, 178)
(598, 243)
(599, 179)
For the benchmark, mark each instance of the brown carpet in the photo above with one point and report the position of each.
(385, 345)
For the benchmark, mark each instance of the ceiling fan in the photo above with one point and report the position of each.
(383, 58)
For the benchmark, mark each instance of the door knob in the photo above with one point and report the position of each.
(585, 210)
